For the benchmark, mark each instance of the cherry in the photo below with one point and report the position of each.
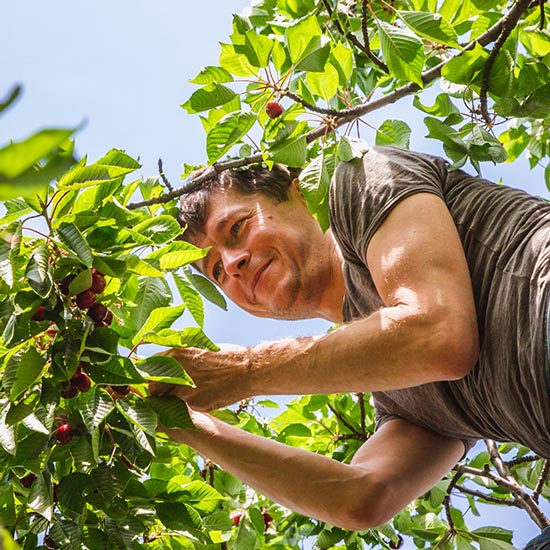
(121, 391)
(28, 480)
(49, 543)
(274, 109)
(64, 284)
(64, 434)
(97, 312)
(68, 390)
(98, 281)
(267, 518)
(108, 319)
(85, 299)
(39, 314)
(81, 382)
(236, 516)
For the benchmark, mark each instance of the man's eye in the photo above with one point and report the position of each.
(217, 271)
(235, 228)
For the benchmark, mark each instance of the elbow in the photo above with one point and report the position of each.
(366, 511)
(456, 348)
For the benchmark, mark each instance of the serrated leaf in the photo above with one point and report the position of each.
(208, 97)
(117, 371)
(163, 368)
(228, 131)
(40, 498)
(38, 271)
(208, 290)
(235, 62)
(432, 26)
(152, 293)
(178, 516)
(303, 38)
(72, 238)
(134, 264)
(95, 406)
(403, 53)
(324, 84)
(71, 489)
(201, 496)
(7, 432)
(22, 370)
(191, 298)
(443, 106)
(160, 229)
(139, 414)
(211, 74)
(257, 48)
(171, 411)
(394, 133)
(351, 148)
(180, 258)
(159, 318)
(292, 152)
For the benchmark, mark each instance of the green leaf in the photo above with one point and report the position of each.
(324, 84)
(316, 61)
(211, 74)
(135, 264)
(228, 131)
(351, 148)
(6, 542)
(314, 184)
(140, 414)
(172, 412)
(72, 238)
(393, 133)
(208, 290)
(7, 432)
(40, 498)
(464, 68)
(191, 298)
(257, 48)
(160, 229)
(159, 318)
(71, 489)
(118, 371)
(16, 158)
(95, 406)
(432, 26)
(13, 94)
(303, 38)
(152, 293)
(178, 516)
(403, 53)
(201, 496)
(163, 368)
(292, 152)
(212, 95)
(22, 371)
(235, 62)
(442, 107)
(341, 58)
(38, 273)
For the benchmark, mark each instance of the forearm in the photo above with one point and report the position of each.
(390, 349)
(305, 482)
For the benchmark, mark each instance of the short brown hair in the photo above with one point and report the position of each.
(274, 183)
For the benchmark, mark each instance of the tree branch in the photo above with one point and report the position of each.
(163, 176)
(542, 480)
(487, 498)
(361, 398)
(344, 421)
(347, 115)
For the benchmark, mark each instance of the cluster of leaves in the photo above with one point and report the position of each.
(326, 63)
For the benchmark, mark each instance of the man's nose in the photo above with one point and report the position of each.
(235, 261)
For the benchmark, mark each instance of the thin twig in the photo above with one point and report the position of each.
(487, 498)
(542, 481)
(343, 420)
(542, 22)
(361, 398)
(522, 460)
(163, 176)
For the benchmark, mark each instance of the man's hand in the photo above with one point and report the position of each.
(220, 377)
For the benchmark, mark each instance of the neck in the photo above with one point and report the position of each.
(330, 307)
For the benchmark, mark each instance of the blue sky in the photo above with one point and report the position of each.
(122, 67)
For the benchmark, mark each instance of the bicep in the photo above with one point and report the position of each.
(406, 460)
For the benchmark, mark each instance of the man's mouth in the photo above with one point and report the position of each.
(257, 279)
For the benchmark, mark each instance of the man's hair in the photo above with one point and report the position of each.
(274, 183)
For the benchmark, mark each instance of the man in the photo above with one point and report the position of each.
(441, 281)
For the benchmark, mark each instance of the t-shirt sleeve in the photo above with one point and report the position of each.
(364, 191)
(383, 415)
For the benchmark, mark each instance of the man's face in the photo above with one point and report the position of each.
(270, 259)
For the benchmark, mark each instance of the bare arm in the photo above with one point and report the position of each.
(426, 332)
(400, 462)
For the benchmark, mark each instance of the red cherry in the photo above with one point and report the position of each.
(97, 312)
(98, 281)
(28, 480)
(64, 434)
(236, 516)
(81, 382)
(267, 518)
(121, 391)
(108, 319)
(67, 390)
(274, 109)
(85, 299)
(64, 284)
(39, 314)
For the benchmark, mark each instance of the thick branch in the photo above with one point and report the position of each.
(347, 115)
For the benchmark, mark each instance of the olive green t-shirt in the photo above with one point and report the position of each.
(506, 238)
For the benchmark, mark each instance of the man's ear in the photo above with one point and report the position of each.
(295, 187)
